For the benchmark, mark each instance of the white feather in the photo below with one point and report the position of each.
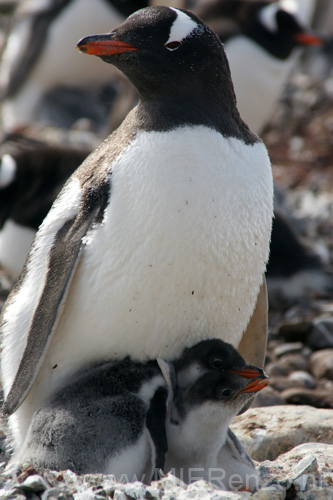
(182, 27)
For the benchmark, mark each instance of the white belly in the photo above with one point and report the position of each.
(179, 258)
(258, 79)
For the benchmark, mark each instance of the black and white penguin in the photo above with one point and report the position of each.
(160, 239)
(213, 383)
(110, 419)
(262, 40)
(32, 173)
(38, 84)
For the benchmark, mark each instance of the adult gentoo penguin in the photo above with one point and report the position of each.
(263, 40)
(160, 239)
(213, 382)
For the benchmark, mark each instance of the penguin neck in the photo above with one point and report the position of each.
(215, 111)
(204, 432)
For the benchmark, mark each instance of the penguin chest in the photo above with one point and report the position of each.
(180, 254)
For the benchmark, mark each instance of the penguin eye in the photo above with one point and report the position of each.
(225, 393)
(172, 45)
(217, 363)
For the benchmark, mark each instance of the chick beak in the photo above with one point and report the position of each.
(309, 38)
(255, 385)
(250, 372)
(104, 45)
(259, 379)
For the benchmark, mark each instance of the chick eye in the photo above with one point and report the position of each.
(226, 393)
(172, 45)
(217, 363)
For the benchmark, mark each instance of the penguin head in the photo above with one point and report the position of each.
(278, 29)
(164, 51)
(214, 376)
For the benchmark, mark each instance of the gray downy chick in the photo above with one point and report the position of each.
(110, 419)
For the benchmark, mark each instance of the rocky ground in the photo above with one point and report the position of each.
(289, 429)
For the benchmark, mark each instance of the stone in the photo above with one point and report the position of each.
(293, 362)
(282, 383)
(313, 397)
(267, 397)
(295, 332)
(287, 364)
(34, 483)
(273, 492)
(58, 494)
(321, 363)
(287, 348)
(302, 379)
(321, 334)
(268, 432)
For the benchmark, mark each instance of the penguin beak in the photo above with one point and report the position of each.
(250, 372)
(255, 386)
(309, 38)
(103, 45)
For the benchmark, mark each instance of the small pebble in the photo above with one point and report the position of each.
(273, 492)
(288, 348)
(321, 334)
(57, 494)
(267, 397)
(302, 396)
(293, 362)
(34, 483)
(321, 364)
(274, 369)
(295, 332)
(302, 379)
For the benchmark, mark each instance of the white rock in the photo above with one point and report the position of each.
(267, 432)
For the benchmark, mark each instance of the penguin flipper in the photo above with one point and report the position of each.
(63, 248)
(254, 341)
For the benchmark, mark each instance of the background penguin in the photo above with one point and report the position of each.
(262, 42)
(38, 85)
(109, 419)
(162, 235)
(32, 172)
(213, 382)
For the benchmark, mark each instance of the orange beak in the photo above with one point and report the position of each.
(103, 45)
(309, 39)
(255, 385)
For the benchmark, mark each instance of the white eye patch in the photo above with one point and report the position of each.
(7, 170)
(181, 28)
(268, 17)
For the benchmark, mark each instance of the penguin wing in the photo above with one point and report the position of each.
(35, 305)
(237, 450)
(31, 30)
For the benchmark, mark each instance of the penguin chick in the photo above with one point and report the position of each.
(110, 420)
(213, 384)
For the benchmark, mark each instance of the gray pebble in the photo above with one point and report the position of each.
(267, 397)
(321, 364)
(289, 347)
(57, 494)
(302, 379)
(33, 483)
(295, 332)
(302, 396)
(321, 335)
